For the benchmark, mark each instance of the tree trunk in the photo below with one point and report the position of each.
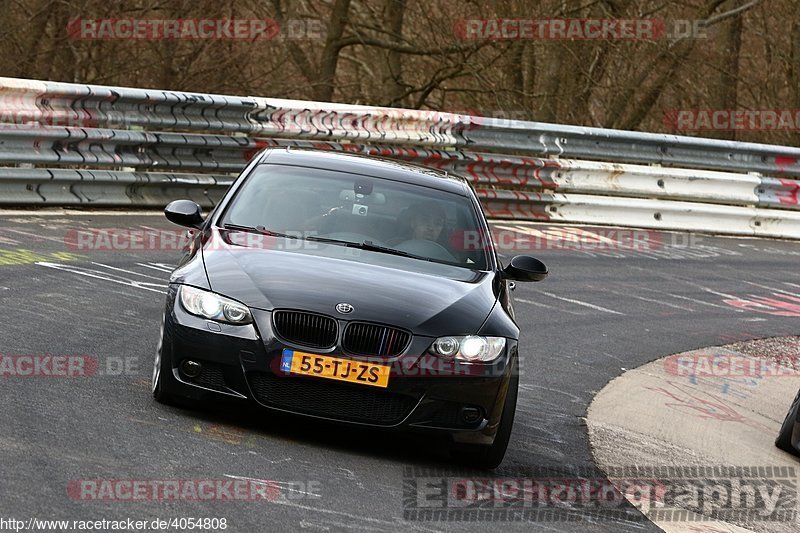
(727, 95)
(794, 76)
(393, 84)
(330, 55)
(551, 78)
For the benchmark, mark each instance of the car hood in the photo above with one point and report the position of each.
(427, 298)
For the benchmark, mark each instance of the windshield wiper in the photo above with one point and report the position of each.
(259, 229)
(369, 246)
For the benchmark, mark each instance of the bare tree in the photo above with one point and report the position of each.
(410, 53)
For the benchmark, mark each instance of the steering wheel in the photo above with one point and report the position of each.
(427, 248)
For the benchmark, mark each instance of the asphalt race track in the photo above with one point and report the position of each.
(602, 310)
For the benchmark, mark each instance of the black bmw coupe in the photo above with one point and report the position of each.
(347, 288)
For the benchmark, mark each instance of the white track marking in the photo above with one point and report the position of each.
(397, 525)
(37, 236)
(750, 298)
(531, 302)
(97, 274)
(660, 302)
(579, 302)
(128, 271)
(279, 484)
(781, 291)
(539, 304)
(681, 280)
(678, 296)
(712, 291)
(9, 241)
(157, 266)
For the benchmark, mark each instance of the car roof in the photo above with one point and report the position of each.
(378, 167)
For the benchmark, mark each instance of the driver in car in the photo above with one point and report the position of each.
(427, 222)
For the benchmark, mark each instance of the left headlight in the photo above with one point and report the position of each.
(212, 306)
(470, 348)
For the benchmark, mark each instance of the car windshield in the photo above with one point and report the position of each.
(380, 215)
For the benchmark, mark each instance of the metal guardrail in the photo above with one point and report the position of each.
(111, 146)
(70, 187)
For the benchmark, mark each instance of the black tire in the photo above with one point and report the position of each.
(488, 457)
(161, 374)
(784, 439)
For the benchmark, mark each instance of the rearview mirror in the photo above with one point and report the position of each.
(376, 198)
(525, 268)
(184, 213)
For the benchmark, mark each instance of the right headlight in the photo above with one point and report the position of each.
(470, 348)
(212, 306)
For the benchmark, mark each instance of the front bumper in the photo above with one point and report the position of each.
(424, 392)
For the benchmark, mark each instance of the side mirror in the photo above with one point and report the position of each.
(525, 268)
(184, 213)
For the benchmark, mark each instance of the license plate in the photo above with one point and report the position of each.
(323, 366)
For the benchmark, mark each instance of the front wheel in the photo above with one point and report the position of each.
(161, 373)
(784, 439)
(491, 456)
